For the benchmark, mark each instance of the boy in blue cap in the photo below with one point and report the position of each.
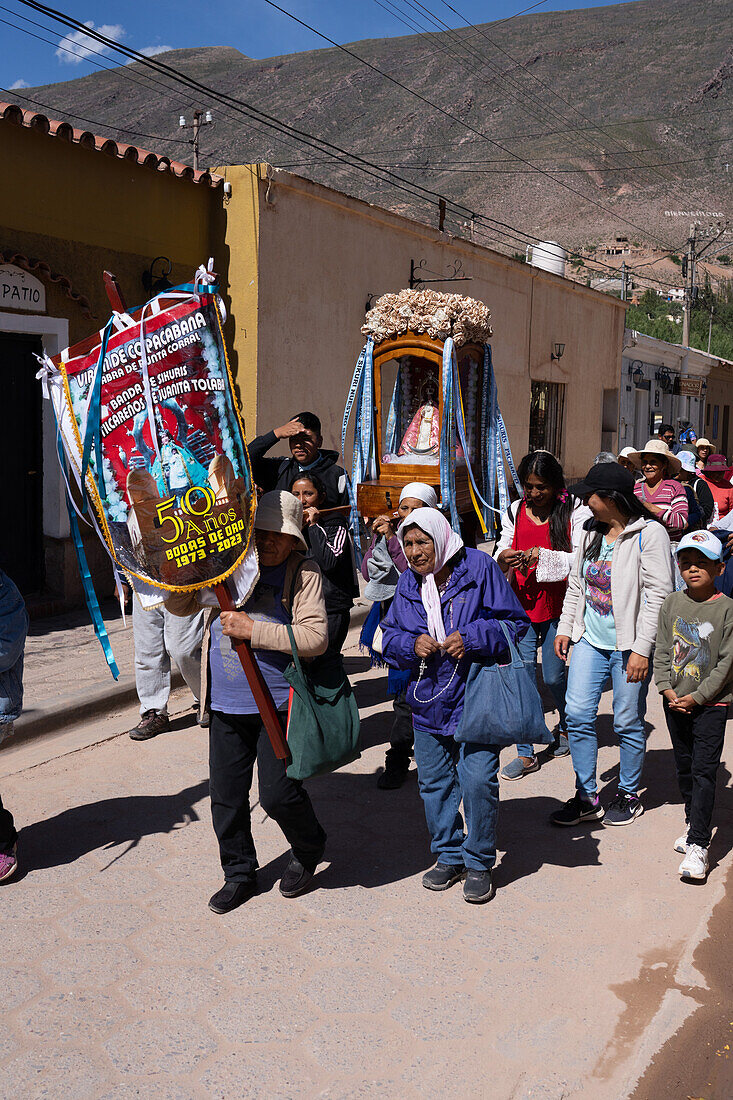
(693, 670)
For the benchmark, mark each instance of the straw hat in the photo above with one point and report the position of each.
(659, 447)
(703, 443)
(281, 512)
(631, 455)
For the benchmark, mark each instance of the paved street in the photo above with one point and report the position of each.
(118, 982)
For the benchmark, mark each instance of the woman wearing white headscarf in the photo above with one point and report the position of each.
(444, 616)
(381, 568)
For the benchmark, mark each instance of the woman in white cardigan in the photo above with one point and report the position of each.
(539, 536)
(618, 582)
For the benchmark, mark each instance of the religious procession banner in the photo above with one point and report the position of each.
(154, 438)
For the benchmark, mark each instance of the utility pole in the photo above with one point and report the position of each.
(710, 328)
(623, 281)
(688, 270)
(197, 125)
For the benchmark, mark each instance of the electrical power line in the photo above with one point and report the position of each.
(531, 75)
(147, 83)
(516, 89)
(535, 106)
(340, 156)
(453, 117)
(91, 122)
(448, 169)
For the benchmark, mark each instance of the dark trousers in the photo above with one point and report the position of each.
(402, 737)
(697, 741)
(8, 835)
(338, 628)
(235, 742)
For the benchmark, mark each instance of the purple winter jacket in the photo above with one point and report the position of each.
(476, 597)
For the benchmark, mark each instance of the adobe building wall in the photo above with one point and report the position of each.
(321, 254)
(717, 422)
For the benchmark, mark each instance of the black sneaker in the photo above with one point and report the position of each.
(396, 768)
(232, 895)
(478, 887)
(624, 808)
(442, 876)
(295, 879)
(150, 725)
(575, 810)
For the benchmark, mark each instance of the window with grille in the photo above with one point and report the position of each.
(546, 417)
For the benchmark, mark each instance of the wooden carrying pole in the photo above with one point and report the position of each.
(256, 681)
(260, 690)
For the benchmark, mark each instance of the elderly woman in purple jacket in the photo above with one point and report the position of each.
(444, 616)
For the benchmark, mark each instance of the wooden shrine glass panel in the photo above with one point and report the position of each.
(410, 392)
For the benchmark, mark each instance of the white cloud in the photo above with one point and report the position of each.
(78, 46)
(151, 51)
(18, 85)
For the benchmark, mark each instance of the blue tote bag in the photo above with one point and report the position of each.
(502, 705)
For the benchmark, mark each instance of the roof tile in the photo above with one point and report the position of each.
(35, 120)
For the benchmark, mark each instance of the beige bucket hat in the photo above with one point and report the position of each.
(281, 512)
(630, 454)
(659, 447)
(704, 443)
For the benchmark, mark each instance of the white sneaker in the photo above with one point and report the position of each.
(695, 863)
(680, 844)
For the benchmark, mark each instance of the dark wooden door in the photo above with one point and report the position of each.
(21, 462)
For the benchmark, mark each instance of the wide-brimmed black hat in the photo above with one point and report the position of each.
(606, 477)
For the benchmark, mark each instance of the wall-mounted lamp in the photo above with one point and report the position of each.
(636, 372)
(558, 352)
(157, 283)
(663, 377)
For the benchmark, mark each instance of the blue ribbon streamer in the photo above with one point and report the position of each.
(90, 596)
(360, 399)
(447, 452)
(488, 435)
(184, 288)
(93, 432)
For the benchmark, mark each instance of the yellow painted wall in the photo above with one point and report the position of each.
(235, 258)
(82, 211)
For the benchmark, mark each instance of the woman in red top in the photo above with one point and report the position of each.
(716, 474)
(538, 537)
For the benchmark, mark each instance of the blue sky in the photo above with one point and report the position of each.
(251, 26)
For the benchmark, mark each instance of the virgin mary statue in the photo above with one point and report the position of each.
(422, 438)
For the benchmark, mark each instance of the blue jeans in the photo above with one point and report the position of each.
(447, 771)
(589, 670)
(542, 636)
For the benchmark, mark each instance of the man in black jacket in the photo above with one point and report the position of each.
(303, 434)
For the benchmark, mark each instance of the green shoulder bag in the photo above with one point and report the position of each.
(323, 718)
